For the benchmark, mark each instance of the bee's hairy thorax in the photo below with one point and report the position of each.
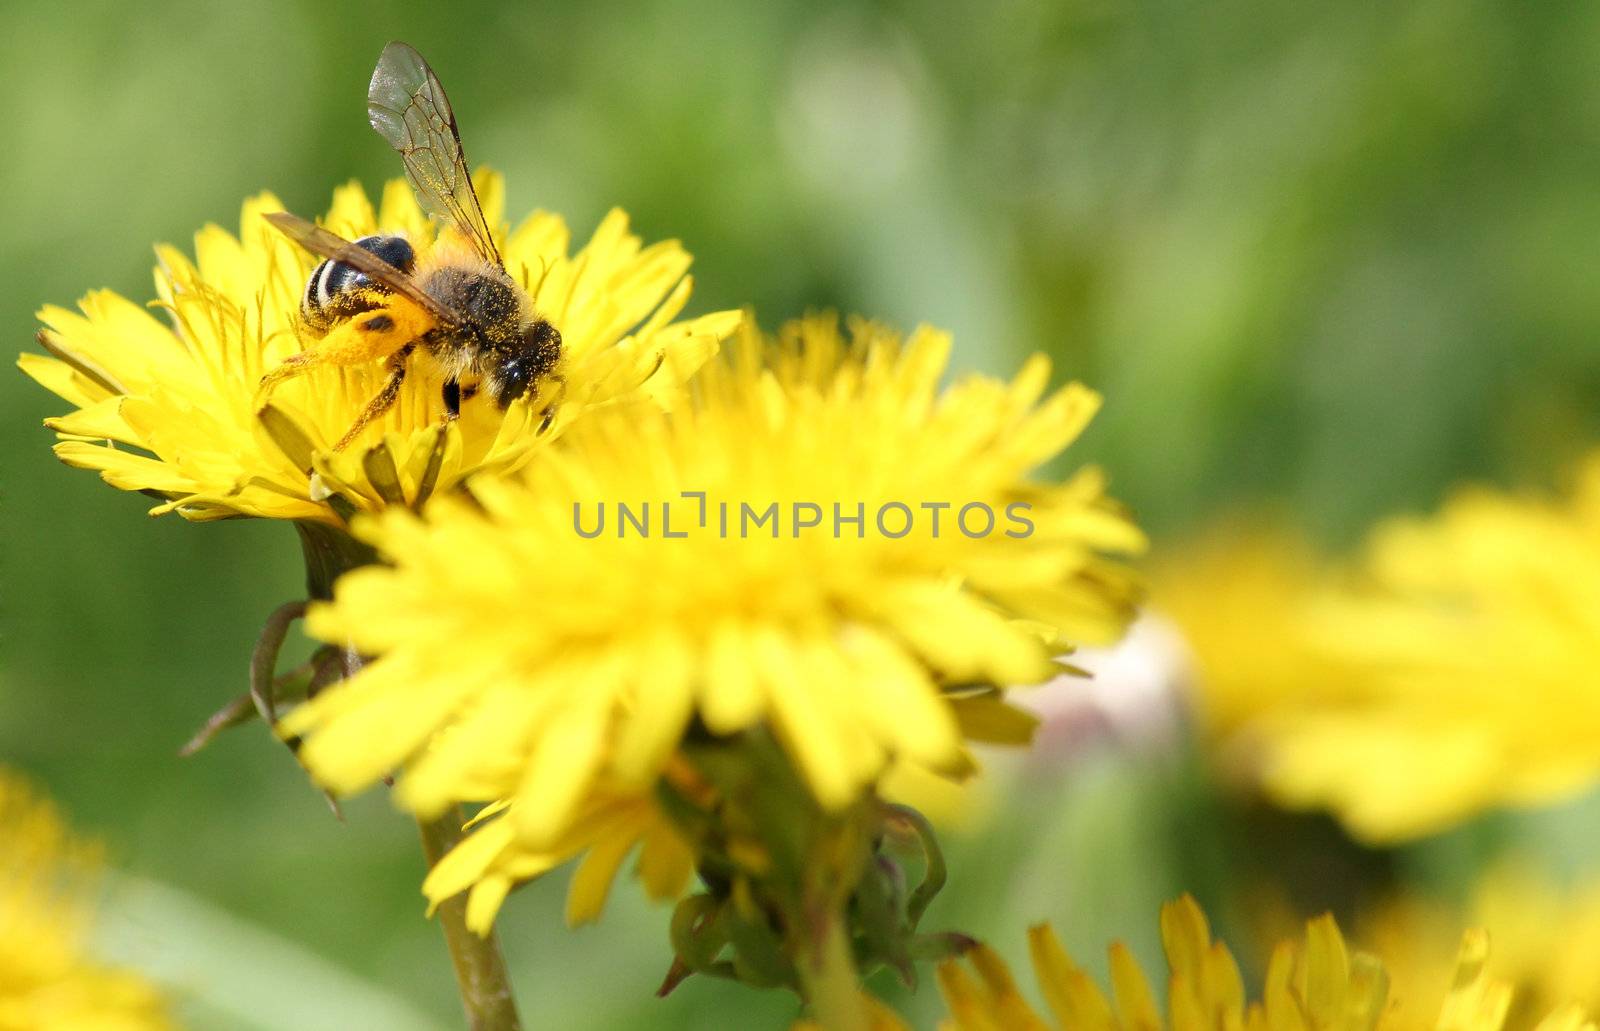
(491, 308)
(499, 338)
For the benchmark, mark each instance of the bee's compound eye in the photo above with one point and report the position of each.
(513, 381)
(540, 350)
(396, 250)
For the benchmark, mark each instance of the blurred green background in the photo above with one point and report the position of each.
(1340, 256)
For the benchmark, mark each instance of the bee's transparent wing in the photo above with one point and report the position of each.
(320, 242)
(407, 106)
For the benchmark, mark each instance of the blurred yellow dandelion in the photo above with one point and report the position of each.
(1448, 672)
(1314, 982)
(1239, 593)
(47, 980)
(1545, 939)
(1474, 637)
(168, 406)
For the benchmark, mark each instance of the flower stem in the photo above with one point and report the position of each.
(828, 979)
(480, 968)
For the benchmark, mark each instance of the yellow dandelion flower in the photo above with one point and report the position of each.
(878, 1016)
(794, 579)
(1474, 636)
(166, 401)
(1545, 939)
(1314, 982)
(492, 861)
(1239, 594)
(47, 981)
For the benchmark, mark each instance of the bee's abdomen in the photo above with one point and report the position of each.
(337, 291)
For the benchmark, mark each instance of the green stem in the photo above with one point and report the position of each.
(480, 968)
(828, 979)
(329, 553)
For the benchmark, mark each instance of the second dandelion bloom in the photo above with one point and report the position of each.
(1315, 981)
(823, 543)
(48, 882)
(1477, 632)
(1447, 672)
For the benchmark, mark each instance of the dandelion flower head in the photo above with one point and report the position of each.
(48, 982)
(521, 659)
(1471, 636)
(1315, 981)
(165, 401)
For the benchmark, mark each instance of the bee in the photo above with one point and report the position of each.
(374, 298)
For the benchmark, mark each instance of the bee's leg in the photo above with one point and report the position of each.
(291, 366)
(452, 400)
(374, 334)
(385, 399)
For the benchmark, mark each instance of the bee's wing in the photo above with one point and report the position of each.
(407, 106)
(319, 241)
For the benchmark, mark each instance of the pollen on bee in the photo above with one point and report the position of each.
(369, 337)
(375, 335)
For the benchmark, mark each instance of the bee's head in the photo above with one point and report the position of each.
(540, 348)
